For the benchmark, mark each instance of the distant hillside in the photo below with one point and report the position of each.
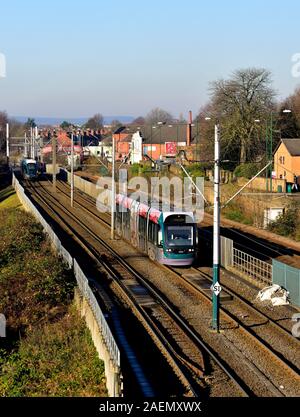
(75, 120)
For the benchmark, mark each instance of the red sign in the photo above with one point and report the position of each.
(171, 148)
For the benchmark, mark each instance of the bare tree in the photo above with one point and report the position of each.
(158, 115)
(95, 122)
(181, 118)
(3, 121)
(115, 124)
(138, 121)
(287, 123)
(239, 102)
(16, 128)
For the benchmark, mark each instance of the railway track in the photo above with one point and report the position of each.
(250, 319)
(82, 198)
(179, 343)
(246, 314)
(256, 339)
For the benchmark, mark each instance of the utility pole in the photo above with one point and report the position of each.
(31, 142)
(35, 142)
(216, 234)
(54, 161)
(271, 151)
(113, 190)
(25, 146)
(41, 148)
(7, 143)
(72, 169)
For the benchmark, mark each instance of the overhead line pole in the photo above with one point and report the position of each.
(54, 162)
(216, 234)
(113, 196)
(72, 169)
(25, 146)
(7, 143)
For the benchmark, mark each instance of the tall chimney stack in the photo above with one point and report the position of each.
(189, 129)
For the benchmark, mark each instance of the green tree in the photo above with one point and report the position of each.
(65, 125)
(30, 123)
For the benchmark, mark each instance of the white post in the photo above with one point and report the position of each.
(54, 161)
(31, 143)
(72, 169)
(113, 197)
(35, 142)
(216, 231)
(25, 145)
(7, 143)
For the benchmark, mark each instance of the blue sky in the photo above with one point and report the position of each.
(75, 58)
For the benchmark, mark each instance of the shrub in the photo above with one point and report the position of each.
(57, 359)
(195, 170)
(34, 283)
(246, 170)
(135, 169)
(286, 223)
(236, 214)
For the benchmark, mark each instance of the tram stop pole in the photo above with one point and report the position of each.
(72, 169)
(216, 234)
(54, 161)
(113, 191)
(7, 143)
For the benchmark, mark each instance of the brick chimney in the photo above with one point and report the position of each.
(189, 129)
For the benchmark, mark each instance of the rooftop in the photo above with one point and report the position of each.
(293, 146)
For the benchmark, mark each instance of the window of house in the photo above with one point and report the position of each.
(281, 160)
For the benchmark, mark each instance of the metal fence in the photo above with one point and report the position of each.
(82, 281)
(287, 277)
(249, 265)
(86, 291)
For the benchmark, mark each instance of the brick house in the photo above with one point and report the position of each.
(159, 140)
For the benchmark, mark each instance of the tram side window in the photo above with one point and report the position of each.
(126, 219)
(118, 213)
(142, 225)
(153, 232)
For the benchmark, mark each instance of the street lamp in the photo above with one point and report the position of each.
(160, 125)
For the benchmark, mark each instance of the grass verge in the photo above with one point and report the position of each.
(48, 350)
